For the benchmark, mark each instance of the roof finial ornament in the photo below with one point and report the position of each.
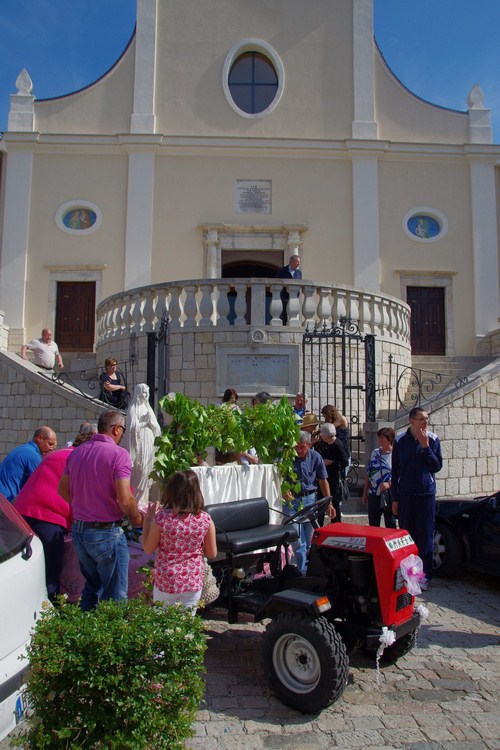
(24, 84)
(475, 100)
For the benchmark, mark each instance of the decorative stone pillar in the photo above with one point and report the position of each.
(479, 117)
(22, 105)
(366, 219)
(140, 202)
(211, 243)
(143, 116)
(484, 245)
(364, 125)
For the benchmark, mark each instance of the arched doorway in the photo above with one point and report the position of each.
(249, 269)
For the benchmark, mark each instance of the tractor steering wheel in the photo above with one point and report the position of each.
(310, 512)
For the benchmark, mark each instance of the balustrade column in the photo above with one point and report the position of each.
(309, 307)
(175, 308)
(206, 306)
(276, 306)
(223, 307)
(190, 306)
(240, 304)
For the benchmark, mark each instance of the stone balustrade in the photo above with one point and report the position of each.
(235, 303)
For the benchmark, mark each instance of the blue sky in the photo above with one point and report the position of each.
(437, 48)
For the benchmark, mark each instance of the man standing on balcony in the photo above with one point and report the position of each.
(291, 271)
(416, 458)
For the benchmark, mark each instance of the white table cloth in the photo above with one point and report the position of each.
(222, 484)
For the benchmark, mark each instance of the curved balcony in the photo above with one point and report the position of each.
(235, 303)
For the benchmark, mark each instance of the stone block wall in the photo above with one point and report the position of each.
(469, 429)
(29, 400)
(468, 421)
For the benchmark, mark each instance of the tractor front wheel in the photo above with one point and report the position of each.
(305, 661)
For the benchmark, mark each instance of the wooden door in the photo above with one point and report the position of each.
(427, 323)
(75, 316)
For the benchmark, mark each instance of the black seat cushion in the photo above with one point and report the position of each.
(243, 526)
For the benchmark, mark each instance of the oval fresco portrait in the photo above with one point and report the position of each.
(79, 218)
(424, 227)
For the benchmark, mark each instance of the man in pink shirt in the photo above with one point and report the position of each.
(96, 481)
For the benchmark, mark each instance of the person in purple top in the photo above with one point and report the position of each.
(96, 481)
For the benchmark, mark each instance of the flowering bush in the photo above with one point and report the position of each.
(126, 675)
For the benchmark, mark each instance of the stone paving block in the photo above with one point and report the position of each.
(305, 741)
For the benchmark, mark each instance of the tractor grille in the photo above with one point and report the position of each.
(403, 600)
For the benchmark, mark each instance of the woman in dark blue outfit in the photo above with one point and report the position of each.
(113, 391)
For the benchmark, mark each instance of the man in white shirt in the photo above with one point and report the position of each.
(45, 351)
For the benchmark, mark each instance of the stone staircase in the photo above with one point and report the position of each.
(81, 370)
(429, 378)
(439, 373)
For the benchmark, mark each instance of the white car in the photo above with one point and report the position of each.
(22, 592)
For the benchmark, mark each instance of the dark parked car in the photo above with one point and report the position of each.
(467, 531)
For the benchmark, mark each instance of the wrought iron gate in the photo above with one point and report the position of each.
(157, 371)
(338, 367)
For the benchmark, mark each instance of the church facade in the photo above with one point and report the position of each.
(229, 136)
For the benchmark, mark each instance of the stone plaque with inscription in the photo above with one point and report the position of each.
(274, 368)
(253, 196)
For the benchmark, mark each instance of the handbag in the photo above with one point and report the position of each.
(385, 500)
(209, 590)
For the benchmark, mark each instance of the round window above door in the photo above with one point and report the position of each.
(253, 78)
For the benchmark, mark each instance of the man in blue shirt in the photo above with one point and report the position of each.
(416, 457)
(291, 271)
(21, 462)
(311, 472)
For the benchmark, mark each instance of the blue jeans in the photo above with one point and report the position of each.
(416, 515)
(301, 546)
(103, 556)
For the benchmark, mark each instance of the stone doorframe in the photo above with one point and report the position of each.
(218, 237)
(434, 279)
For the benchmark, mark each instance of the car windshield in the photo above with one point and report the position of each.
(14, 531)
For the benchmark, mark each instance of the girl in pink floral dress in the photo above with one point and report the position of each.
(183, 533)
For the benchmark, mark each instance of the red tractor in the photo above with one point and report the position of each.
(354, 595)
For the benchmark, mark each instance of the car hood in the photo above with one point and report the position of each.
(447, 507)
(22, 583)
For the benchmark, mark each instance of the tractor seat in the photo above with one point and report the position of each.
(243, 526)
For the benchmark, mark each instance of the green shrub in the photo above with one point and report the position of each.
(270, 428)
(125, 676)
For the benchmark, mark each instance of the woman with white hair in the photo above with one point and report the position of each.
(335, 459)
(139, 438)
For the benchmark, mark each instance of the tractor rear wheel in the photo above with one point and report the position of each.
(305, 661)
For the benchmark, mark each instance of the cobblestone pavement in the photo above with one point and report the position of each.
(444, 694)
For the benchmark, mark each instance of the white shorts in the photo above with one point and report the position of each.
(187, 599)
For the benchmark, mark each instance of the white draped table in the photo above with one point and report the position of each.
(222, 484)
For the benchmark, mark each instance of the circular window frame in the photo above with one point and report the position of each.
(253, 45)
(426, 211)
(68, 206)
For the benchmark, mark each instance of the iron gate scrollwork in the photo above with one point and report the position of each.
(157, 370)
(338, 367)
